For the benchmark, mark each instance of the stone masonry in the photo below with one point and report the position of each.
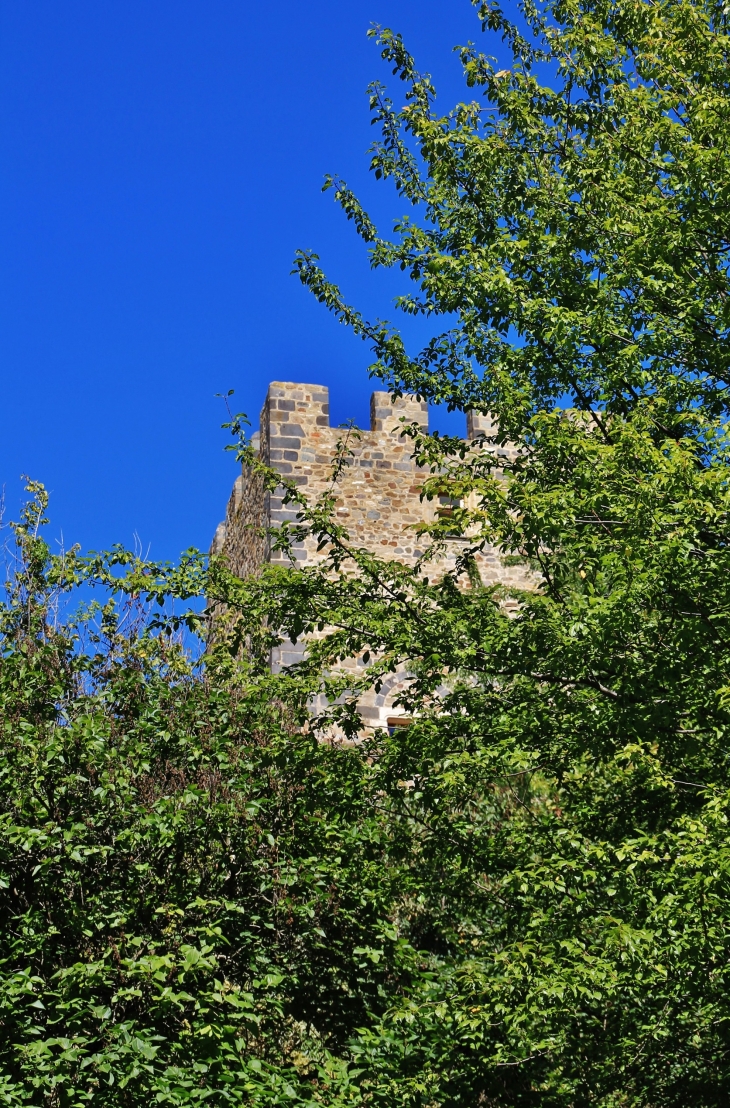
(378, 496)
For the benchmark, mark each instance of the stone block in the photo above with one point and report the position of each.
(478, 424)
(386, 412)
(284, 441)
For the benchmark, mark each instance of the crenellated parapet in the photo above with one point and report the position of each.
(378, 493)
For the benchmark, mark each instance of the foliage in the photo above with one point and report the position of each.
(572, 229)
(192, 898)
(522, 898)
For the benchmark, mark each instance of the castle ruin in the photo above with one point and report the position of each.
(378, 497)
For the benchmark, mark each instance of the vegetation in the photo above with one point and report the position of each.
(522, 898)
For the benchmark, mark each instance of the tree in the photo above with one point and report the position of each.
(573, 227)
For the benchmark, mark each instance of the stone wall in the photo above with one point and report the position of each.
(378, 495)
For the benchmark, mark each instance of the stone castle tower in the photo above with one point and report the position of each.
(378, 495)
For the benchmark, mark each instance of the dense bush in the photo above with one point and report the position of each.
(186, 874)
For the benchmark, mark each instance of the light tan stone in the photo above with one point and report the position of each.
(377, 497)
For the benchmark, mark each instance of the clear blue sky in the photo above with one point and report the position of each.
(160, 162)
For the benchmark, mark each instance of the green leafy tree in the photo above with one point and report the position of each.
(183, 873)
(572, 227)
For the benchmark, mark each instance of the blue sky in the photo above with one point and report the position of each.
(160, 163)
